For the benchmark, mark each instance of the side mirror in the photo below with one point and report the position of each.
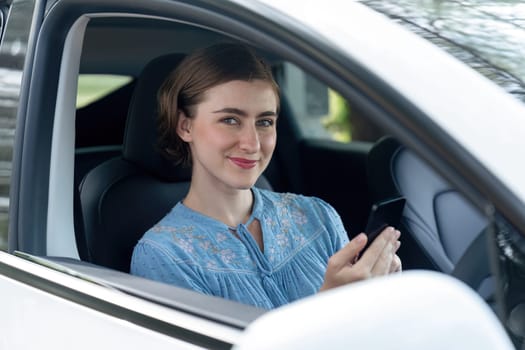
(411, 310)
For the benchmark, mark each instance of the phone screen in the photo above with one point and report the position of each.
(384, 213)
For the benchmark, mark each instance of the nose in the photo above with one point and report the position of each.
(249, 139)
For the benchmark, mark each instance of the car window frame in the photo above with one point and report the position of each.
(3, 11)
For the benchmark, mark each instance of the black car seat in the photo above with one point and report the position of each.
(120, 199)
(441, 230)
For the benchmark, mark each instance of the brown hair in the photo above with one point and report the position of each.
(185, 86)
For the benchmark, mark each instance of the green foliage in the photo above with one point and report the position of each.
(337, 122)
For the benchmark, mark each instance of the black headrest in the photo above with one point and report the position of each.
(380, 170)
(140, 137)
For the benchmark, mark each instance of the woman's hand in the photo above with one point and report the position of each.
(379, 259)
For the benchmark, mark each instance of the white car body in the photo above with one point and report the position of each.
(483, 122)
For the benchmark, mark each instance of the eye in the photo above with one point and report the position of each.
(265, 122)
(230, 121)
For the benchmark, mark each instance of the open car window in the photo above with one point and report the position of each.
(313, 109)
(317, 116)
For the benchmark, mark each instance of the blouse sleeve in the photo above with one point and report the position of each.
(151, 260)
(333, 223)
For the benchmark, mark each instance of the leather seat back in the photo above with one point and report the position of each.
(441, 223)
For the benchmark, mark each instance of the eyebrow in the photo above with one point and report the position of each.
(242, 113)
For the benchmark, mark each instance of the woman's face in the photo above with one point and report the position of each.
(232, 134)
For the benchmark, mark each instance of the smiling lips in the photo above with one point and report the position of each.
(243, 163)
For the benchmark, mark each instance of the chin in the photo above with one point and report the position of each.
(244, 185)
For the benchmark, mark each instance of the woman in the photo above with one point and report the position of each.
(218, 112)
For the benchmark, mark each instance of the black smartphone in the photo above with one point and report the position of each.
(383, 213)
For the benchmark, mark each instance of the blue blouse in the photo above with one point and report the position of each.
(194, 251)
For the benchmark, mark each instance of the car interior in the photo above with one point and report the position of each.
(124, 186)
(121, 186)
(109, 161)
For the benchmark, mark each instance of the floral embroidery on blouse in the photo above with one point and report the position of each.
(194, 251)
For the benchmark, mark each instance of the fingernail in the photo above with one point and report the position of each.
(360, 237)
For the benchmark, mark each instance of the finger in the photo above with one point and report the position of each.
(384, 263)
(396, 265)
(371, 255)
(388, 261)
(398, 244)
(347, 254)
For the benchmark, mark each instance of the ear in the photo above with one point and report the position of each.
(184, 127)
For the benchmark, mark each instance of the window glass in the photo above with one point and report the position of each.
(323, 113)
(92, 87)
(488, 36)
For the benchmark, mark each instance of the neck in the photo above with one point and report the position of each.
(230, 206)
